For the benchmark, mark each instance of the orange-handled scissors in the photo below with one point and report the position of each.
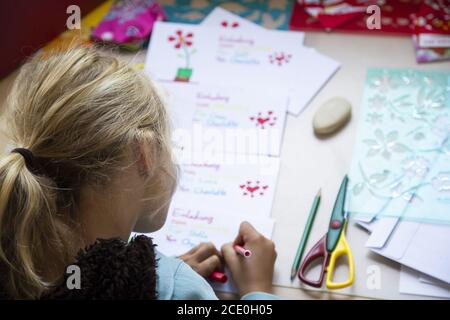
(330, 247)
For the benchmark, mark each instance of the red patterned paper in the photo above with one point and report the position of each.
(397, 17)
(433, 17)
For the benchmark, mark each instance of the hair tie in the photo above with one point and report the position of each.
(30, 159)
(64, 176)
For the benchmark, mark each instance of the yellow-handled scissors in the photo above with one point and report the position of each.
(330, 247)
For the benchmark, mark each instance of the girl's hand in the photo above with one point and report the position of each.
(256, 272)
(204, 259)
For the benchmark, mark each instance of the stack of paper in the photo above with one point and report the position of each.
(228, 84)
(400, 178)
(238, 53)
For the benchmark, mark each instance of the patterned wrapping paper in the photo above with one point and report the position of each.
(406, 17)
(401, 162)
(433, 18)
(128, 22)
(274, 14)
(395, 16)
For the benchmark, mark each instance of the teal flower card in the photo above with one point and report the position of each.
(401, 161)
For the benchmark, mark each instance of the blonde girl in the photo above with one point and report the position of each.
(90, 163)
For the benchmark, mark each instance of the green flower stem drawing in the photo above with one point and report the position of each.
(187, 56)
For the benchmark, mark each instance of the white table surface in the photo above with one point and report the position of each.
(309, 163)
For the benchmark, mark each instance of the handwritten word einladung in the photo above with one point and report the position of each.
(223, 56)
(220, 119)
(247, 188)
(188, 226)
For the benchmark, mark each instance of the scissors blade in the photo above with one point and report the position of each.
(338, 217)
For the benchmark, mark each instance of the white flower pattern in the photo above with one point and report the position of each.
(405, 142)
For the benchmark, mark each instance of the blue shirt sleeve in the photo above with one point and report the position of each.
(259, 296)
(177, 281)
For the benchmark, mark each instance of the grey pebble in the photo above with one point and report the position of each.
(332, 116)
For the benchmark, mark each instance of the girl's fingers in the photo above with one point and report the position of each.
(246, 233)
(188, 255)
(206, 267)
(192, 251)
(205, 250)
(229, 254)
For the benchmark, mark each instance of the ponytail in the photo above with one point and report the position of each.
(27, 226)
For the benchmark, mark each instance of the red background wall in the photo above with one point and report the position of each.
(26, 25)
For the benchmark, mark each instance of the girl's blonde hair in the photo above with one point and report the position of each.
(77, 111)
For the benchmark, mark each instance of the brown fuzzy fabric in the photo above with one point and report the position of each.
(112, 269)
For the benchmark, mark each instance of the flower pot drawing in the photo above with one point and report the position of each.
(183, 74)
(183, 42)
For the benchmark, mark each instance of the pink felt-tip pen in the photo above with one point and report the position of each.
(242, 251)
(218, 277)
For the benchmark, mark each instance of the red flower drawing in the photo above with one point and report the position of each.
(279, 58)
(226, 24)
(251, 188)
(262, 120)
(181, 40)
